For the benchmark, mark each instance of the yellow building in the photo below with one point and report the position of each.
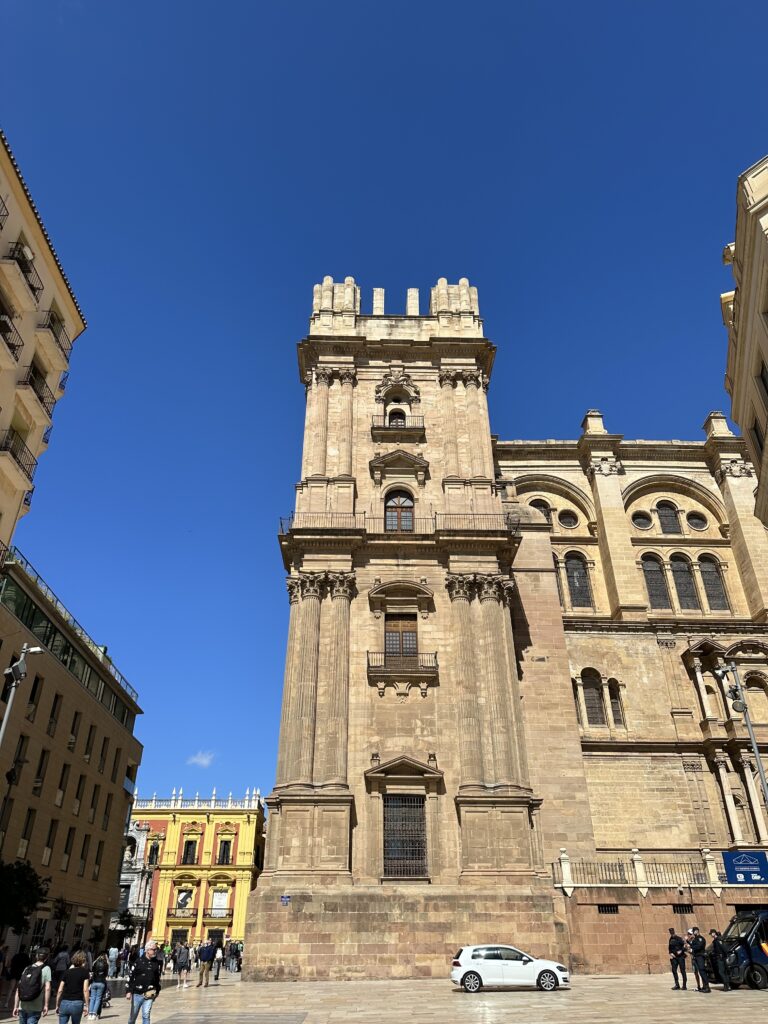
(206, 855)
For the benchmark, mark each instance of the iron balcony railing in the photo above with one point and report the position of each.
(222, 913)
(34, 379)
(588, 872)
(12, 442)
(401, 526)
(657, 873)
(181, 913)
(406, 423)
(3, 214)
(10, 335)
(422, 663)
(18, 254)
(681, 872)
(323, 521)
(53, 322)
(404, 528)
(473, 522)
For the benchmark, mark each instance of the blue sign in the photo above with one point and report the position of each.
(746, 868)
(285, 900)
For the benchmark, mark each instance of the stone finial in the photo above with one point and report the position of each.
(593, 422)
(378, 302)
(336, 296)
(453, 298)
(728, 254)
(412, 302)
(716, 425)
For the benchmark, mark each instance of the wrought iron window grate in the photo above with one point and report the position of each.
(405, 836)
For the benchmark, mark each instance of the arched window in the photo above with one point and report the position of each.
(655, 582)
(154, 852)
(396, 418)
(557, 580)
(398, 512)
(578, 580)
(714, 587)
(756, 692)
(685, 586)
(593, 697)
(617, 708)
(669, 520)
(543, 507)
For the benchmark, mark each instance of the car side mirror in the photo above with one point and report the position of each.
(527, 960)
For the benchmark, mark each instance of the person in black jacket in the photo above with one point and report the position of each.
(720, 958)
(144, 983)
(697, 945)
(676, 958)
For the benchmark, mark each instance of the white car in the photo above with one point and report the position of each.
(502, 966)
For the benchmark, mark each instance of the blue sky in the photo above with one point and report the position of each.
(200, 165)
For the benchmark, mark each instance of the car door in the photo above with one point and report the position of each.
(489, 964)
(517, 967)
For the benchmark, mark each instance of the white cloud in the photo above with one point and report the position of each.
(203, 759)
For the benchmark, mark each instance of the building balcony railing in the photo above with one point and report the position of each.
(402, 525)
(33, 378)
(323, 521)
(475, 522)
(382, 664)
(3, 214)
(636, 872)
(181, 913)
(219, 913)
(406, 428)
(12, 442)
(19, 253)
(52, 322)
(10, 335)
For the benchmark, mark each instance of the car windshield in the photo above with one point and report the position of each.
(739, 928)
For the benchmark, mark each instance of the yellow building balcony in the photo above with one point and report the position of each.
(21, 277)
(35, 395)
(54, 340)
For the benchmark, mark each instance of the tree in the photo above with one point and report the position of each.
(22, 891)
(97, 935)
(127, 921)
(60, 914)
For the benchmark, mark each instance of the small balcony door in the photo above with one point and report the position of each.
(401, 646)
(398, 512)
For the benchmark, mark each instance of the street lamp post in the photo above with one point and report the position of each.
(14, 675)
(739, 705)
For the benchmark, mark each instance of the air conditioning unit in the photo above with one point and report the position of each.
(27, 253)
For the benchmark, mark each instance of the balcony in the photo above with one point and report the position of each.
(33, 378)
(403, 527)
(3, 214)
(54, 337)
(322, 521)
(24, 278)
(218, 914)
(12, 443)
(475, 523)
(382, 664)
(182, 914)
(403, 428)
(418, 527)
(13, 340)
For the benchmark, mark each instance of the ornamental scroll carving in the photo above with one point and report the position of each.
(396, 380)
(486, 587)
(317, 584)
(324, 375)
(606, 465)
(733, 467)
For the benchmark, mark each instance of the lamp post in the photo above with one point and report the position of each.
(740, 706)
(14, 675)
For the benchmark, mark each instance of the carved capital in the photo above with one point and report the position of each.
(447, 378)
(294, 589)
(312, 584)
(460, 586)
(473, 378)
(667, 642)
(323, 375)
(486, 382)
(348, 375)
(489, 588)
(341, 584)
(720, 761)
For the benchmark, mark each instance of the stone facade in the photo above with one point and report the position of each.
(496, 650)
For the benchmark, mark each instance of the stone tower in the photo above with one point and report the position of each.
(406, 807)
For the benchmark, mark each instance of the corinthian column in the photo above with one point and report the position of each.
(323, 376)
(312, 585)
(460, 589)
(333, 719)
(286, 747)
(497, 691)
(347, 376)
(472, 382)
(721, 767)
(745, 763)
(309, 426)
(447, 380)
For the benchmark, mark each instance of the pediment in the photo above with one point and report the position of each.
(403, 767)
(398, 463)
(704, 647)
(400, 595)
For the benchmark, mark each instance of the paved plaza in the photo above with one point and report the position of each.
(632, 999)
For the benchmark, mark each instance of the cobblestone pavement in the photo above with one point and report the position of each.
(630, 999)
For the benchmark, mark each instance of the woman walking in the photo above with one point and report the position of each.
(72, 996)
(182, 965)
(99, 971)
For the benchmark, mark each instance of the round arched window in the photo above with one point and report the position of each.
(398, 512)
(642, 520)
(543, 507)
(697, 520)
(568, 519)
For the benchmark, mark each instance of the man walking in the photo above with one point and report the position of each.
(182, 965)
(698, 945)
(677, 959)
(112, 957)
(144, 983)
(207, 953)
(34, 990)
(720, 958)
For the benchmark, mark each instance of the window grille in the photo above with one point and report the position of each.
(642, 520)
(578, 581)
(568, 519)
(714, 588)
(543, 507)
(669, 521)
(697, 521)
(617, 710)
(685, 586)
(758, 436)
(593, 702)
(405, 836)
(607, 908)
(764, 377)
(682, 908)
(656, 583)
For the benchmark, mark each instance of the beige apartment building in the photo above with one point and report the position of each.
(39, 320)
(501, 718)
(745, 315)
(73, 756)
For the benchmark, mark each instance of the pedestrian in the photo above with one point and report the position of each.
(33, 993)
(218, 959)
(72, 994)
(123, 957)
(720, 958)
(112, 956)
(60, 964)
(207, 953)
(677, 958)
(19, 961)
(99, 972)
(182, 965)
(698, 945)
(144, 983)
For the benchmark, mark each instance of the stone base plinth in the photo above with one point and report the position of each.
(389, 931)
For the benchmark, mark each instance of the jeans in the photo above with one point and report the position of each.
(678, 964)
(140, 1003)
(71, 1009)
(113, 968)
(97, 994)
(29, 1016)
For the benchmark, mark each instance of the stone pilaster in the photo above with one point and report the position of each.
(299, 767)
(447, 380)
(721, 767)
(347, 376)
(309, 426)
(330, 767)
(497, 694)
(290, 683)
(460, 590)
(323, 375)
(745, 764)
(701, 689)
(472, 383)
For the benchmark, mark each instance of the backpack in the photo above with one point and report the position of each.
(31, 982)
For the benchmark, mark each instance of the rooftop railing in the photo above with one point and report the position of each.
(34, 379)
(381, 661)
(402, 525)
(53, 322)
(323, 521)
(18, 253)
(404, 423)
(11, 441)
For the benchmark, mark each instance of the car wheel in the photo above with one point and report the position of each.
(756, 977)
(547, 981)
(471, 982)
